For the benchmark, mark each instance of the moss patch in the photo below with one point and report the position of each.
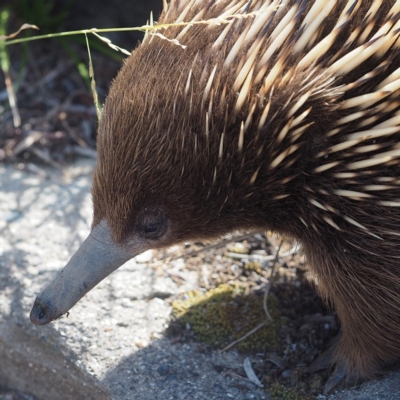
(254, 266)
(225, 314)
(279, 392)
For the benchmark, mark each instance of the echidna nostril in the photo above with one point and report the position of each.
(42, 312)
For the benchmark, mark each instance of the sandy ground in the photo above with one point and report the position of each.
(112, 345)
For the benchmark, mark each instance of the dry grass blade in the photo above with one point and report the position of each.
(174, 41)
(10, 90)
(13, 35)
(213, 21)
(144, 28)
(93, 82)
(27, 142)
(5, 66)
(110, 44)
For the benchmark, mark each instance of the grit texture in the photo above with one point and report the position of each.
(112, 345)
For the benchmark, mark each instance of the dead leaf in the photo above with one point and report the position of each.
(23, 27)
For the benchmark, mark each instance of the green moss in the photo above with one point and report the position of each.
(254, 266)
(225, 314)
(279, 392)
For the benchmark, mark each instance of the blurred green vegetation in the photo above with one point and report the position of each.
(48, 15)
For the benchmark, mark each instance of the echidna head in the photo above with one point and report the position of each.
(163, 175)
(161, 178)
(198, 142)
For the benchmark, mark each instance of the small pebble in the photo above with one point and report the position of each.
(163, 369)
(144, 257)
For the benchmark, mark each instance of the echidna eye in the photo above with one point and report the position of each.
(152, 224)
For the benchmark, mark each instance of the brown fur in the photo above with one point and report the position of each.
(159, 148)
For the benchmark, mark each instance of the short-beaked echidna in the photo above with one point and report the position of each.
(286, 117)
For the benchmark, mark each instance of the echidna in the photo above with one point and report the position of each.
(281, 115)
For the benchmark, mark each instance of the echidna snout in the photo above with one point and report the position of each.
(282, 116)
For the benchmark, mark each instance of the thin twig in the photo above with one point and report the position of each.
(276, 259)
(265, 306)
(205, 248)
(12, 99)
(258, 327)
(260, 257)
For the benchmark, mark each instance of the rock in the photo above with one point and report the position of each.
(144, 257)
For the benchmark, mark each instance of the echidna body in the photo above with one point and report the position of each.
(279, 115)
